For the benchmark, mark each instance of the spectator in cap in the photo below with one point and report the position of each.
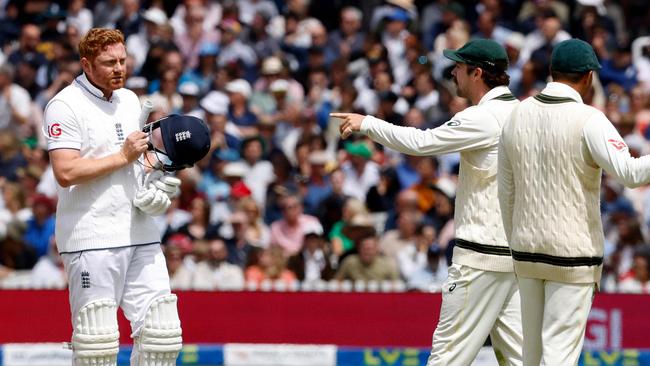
(514, 44)
(190, 92)
(138, 85)
(360, 172)
(289, 231)
(352, 213)
(139, 43)
(194, 36)
(225, 135)
(318, 186)
(216, 273)
(232, 48)
(239, 91)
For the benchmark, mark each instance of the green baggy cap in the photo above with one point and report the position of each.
(484, 53)
(574, 56)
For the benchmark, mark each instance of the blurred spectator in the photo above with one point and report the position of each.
(48, 272)
(14, 101)
(637, 281)
(180, 274)
(239, 91)
(259, 172)
(313, 262)
(368, 265)
(348, 40)
(14, 254)
(141, 32)
(233, 50)
(288, 232)
(199, 226)
(239, 248)
(318, 186)
(432, 275)
(40, 228)
(360, 172)
(189, 92)
(341, 243)
(405, 235)
(257, 233)
(381, 197)
(268, 264)
(79, 16)
(130, 20)
(194, 36)
(216, 273)
(488, 28)
(106, 13)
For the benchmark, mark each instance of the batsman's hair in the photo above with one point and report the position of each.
(572, 77)
(96, 40)
(491, 77)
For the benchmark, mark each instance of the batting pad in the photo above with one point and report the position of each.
(95, 340)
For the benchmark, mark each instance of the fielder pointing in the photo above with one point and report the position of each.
(480, 297)
(110, 247)
(552, 152)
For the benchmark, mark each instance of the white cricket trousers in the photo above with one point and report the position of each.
(554, 318)
(132, 276)
(475, 304)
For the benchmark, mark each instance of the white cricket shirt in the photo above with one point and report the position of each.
(97, 214)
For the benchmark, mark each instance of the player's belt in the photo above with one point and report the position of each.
(549, 99)
(483, 248)
(556, 260)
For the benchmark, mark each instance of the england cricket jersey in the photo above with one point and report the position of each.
(97, 214)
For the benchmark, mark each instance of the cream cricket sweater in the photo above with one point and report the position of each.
(480, 238)
(550, 158)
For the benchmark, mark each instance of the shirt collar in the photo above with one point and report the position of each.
(556, 89)
(85, 84)
(494, 92)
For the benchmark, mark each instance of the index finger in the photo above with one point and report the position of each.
(340, 115)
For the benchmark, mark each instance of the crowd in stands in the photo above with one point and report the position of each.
(280, 201)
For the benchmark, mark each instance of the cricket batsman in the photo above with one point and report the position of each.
(480, 296)
(104, 230)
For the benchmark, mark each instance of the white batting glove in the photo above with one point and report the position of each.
(152, 201)
(166, 183)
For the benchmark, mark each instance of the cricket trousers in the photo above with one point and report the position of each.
(554, 317)
(132, 276)
(475, 304)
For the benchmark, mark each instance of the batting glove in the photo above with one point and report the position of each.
(152, 201)
(166, 183)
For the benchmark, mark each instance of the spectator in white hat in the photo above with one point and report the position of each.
(225, 135)
(239, 113)
(189, 92)
(138, 44)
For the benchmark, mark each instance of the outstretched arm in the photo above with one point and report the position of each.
(467, 130)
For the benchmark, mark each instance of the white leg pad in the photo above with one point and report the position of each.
(160, 341)
(96, 338)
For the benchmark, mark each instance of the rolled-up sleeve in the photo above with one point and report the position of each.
(609, 151)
